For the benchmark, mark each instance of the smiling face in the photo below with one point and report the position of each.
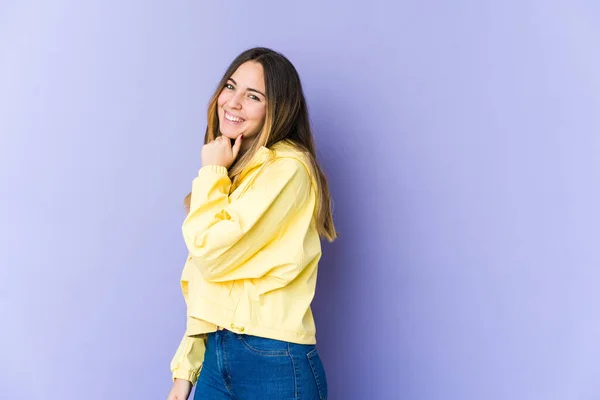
(242, 104)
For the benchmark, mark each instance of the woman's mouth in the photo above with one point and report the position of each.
(233, 119)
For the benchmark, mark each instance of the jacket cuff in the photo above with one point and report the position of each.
(188, 375)
(214, 169)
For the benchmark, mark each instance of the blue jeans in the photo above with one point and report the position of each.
(244, 367)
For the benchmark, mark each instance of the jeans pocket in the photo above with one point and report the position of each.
(264, 346)
(319, 372)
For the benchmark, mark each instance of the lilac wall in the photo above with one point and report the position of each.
(462, 142)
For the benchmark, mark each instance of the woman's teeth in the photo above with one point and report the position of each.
(232, 118)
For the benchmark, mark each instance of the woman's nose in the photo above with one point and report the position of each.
(234, 101)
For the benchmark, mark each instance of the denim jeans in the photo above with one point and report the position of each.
(245, 367)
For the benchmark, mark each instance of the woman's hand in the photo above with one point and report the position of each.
(220, 152)
(181, 390)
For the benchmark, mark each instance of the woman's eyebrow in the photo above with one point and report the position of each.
(249, 89)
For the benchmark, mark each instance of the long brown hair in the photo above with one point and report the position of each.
(286, 118)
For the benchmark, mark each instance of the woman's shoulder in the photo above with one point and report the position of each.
(287, 150)
(288, 159)
(286, 153)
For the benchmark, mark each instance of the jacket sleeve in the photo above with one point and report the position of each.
(221, 234)
(187, 362)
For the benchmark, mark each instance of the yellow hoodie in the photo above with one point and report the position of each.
(253, 254)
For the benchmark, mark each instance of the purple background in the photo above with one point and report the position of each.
(461, 140)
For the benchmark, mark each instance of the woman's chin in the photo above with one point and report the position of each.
(230, 135)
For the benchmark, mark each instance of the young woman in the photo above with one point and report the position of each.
(256, 213)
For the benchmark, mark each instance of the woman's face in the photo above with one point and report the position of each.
(242, 104)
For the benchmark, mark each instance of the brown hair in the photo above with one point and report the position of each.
(286, 118)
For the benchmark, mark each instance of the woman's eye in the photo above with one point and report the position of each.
(229, 86)
(253, 97)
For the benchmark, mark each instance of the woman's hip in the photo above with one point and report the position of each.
(257, 367)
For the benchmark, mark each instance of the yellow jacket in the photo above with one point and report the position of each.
(253, 254)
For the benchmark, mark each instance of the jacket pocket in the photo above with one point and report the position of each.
(319, 372)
